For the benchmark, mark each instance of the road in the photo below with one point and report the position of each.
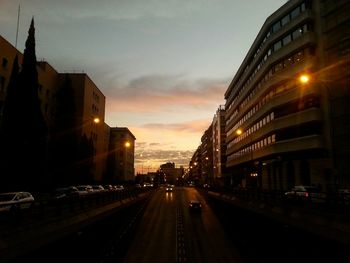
(168, 232)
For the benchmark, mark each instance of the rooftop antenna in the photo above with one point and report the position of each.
(19, 9)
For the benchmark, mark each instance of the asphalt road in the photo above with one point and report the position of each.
(169, 232)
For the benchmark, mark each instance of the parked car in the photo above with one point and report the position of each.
(195, 206)
(15, 201)
(84, 189)
(108, 187)
(98, 188)
(306, 193)
(69, 192)
(118, 187)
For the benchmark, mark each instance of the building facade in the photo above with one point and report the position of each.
(121, 155)
(88, 99)
(171, 174)
(279, 130)
(219, 145)
(206, 157)
(90, 111)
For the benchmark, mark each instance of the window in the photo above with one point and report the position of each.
(276, 26)
(278, 67)
(297, 33)
(295, 12)
(4, 62)
(299, 56)
(288, 62)
(285, 20)
(277, 45)
(286, 40)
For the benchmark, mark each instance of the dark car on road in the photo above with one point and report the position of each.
(195, 206)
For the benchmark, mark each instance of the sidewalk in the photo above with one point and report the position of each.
(330, 224)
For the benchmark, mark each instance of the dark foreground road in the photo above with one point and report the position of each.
(169, 232)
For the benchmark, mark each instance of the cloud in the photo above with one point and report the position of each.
(194, 126)
(152, 159)
(114, 9)
(156, 93)
(172, 142)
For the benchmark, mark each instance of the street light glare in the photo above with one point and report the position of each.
(304, 79)
(239, 132)
(127, 144)
(96, 120)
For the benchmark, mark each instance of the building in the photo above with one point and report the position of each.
(171, 173)
(206, 156)
(7, 56)
(88, 99)
(121, 155)
(90, 112)
(195, 167)
(281, 131)
(219, 145)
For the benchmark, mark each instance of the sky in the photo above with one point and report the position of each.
(163, 65)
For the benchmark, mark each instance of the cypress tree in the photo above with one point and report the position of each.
(24, 127)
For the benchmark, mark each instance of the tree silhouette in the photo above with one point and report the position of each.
(24, 131)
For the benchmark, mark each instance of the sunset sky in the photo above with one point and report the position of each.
(163, 65)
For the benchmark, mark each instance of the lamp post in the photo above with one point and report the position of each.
(251, 172)
(305, 79)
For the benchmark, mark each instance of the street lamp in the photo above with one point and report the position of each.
(96, 120)
(305, 79)
(252, 173)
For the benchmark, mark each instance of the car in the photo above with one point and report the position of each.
(195, 206)
(306, 193)
(118, 187)
(84, 189)
(15, 201)
(169, 188)
(97, 188)
(69, 192)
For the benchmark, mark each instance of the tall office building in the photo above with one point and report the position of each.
(219, 145)
(287, 119)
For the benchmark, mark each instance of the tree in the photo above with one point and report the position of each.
(24, 128)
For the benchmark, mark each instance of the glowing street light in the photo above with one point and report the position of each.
(239, 132)
(127, 144)
(304, 78)
(96, 120)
